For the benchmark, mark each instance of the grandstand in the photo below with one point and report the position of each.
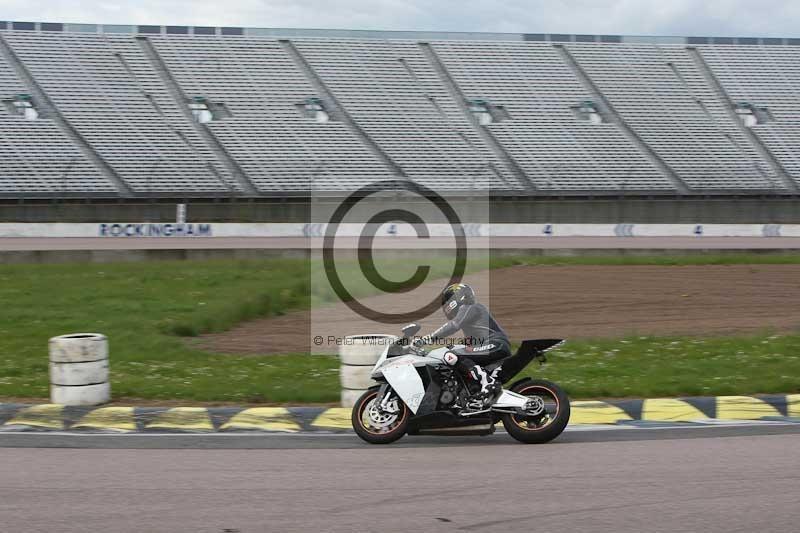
(129, 112)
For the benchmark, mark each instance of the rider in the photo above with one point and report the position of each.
(485, 340)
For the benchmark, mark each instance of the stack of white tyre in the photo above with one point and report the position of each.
(358, 355)
(79, 369)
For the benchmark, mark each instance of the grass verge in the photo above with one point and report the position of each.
(650, 367)
(145, 307)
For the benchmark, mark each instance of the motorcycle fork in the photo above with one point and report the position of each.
(383, 396)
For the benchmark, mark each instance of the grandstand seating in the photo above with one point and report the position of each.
(557, 151)
(127, 117)
(659, 92)
(390, 89)
(769, 77)
(115, 115)
(276, 146)
(35, 157)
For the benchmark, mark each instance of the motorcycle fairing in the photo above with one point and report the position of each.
(415, 360)
(403, 377)
(432, 392)
(438, 353)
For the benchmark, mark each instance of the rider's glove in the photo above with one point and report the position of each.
(422, 341)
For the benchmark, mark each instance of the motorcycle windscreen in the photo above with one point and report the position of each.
(406, 382)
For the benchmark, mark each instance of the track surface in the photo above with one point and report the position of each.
(738, 483)
(547, 243)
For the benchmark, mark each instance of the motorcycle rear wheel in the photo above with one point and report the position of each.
(539, 429)
(377, 428)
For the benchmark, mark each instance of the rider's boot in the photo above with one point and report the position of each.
(490, 386)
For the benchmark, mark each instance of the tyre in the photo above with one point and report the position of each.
(546, 425)
(378, 427)
(356, 377)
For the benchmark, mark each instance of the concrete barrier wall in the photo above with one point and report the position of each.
(207, 230)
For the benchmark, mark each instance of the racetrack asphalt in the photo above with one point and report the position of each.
(715, 479)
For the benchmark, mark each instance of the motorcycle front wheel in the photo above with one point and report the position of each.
(546, 425)
(376, 426)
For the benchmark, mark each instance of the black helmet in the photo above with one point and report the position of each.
(454, 296)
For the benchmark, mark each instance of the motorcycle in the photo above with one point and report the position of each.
(418, 393)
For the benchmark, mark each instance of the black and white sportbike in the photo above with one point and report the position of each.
(420, 394)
